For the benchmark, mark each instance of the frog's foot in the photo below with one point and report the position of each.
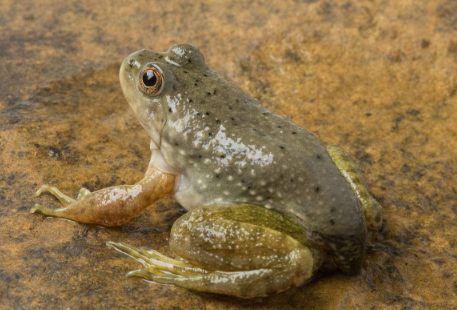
(159, 268)
(226, 256)
(110, 206)
(64, 199)
(348, 168)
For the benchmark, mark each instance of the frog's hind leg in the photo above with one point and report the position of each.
(227, 255)
(348, 168)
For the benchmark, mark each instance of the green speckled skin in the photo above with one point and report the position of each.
(231, 149)
(370, 207)
(267, 201)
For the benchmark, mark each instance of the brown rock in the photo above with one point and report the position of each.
(352, 72)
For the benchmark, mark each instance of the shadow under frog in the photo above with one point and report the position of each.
(267, 201)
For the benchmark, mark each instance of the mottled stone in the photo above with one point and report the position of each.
(375, 77)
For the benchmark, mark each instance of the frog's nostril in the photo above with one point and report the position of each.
(132, 62)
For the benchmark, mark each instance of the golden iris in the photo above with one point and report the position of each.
(150, 80)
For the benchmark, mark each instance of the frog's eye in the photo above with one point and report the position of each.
(151, 80)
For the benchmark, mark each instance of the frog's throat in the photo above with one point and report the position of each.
(153, 133)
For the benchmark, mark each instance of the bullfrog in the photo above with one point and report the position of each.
(267, 202)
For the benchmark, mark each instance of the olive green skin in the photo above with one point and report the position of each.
(225, 147)
(267, 202)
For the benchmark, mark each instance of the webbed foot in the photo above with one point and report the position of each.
(159, 268)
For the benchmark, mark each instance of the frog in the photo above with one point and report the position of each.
(267, 202)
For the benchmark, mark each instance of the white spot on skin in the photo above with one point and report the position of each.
(230, 178)
(122, 194)
(179, 50)
(226, 193)
(167, 59)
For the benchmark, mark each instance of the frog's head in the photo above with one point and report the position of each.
(149, 79)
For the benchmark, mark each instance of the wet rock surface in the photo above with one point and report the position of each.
(375, 77)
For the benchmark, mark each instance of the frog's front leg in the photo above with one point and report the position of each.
(229, 252)
(110, 206)
(349, 169)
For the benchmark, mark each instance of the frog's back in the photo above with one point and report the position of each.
(231, 149)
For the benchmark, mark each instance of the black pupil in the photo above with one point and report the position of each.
(149, 79)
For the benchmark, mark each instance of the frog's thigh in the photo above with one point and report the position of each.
(348, 168)
(260, 260)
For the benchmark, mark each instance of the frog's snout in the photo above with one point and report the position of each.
(129, 68)
(130, 63)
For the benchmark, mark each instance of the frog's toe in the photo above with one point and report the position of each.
(40, 190)
(35, 208)
(43, 209)
(141, 273)
(157, 264)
